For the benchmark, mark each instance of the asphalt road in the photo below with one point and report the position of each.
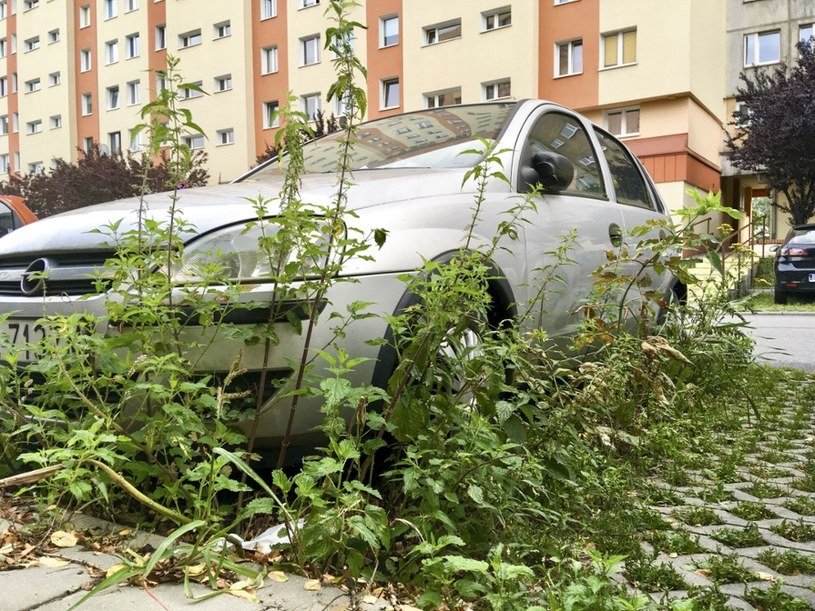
(784, 339)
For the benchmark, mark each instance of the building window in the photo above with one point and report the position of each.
(188, 93)
(33, 127)
(4, 163)
(31, 44)
(390, 93)
(3, 86)
(84, 60)
(194, 141)
(762, 48)
(498, 18)
(14, 43)
(113, 97)
(115, 143)
(3, 9)
(805, 33)
(448, 97)
(32, 85)
(54, 79)
(442, 32)
(270, 116)
(308, 3)
(53, 36)
(497, 89)
(161, 83)
(87, 144)
(131, 5)
(111, 10)
(389, 31)
(111, 52)
(17, 163)
(569, 58)
(132, 44)
(15, 122)
(268, 60)
(161, 37)
(310, 50)
(619, 48)
(36, 167)
(223, 29)
(3, 47)
(3, 125)
(55, 121)
(84, 16)
(268, 9)
(563, 1)
(13, 82)
(311, 105)
(225, 136)
(87, 104)
(624, 122)
(133, 92)
(223, 83)
(189, 39)
(135, 139)
(30, 4)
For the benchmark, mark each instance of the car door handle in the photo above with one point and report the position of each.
(615, 234)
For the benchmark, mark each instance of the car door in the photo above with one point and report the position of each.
(639, 202)
(557, 296)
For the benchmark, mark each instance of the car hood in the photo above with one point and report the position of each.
(207, 208)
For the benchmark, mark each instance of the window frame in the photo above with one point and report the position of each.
(111, 9)
(54, 79)
(31, 44)
(160, 33)
(268, 9)
(84, 16)
(570, 45)
(305, 42)
(756, 37)
(619, 35)
(496, 14)
(87, 104)
(222, 29)
(133, 45)
(85, 60)
(383, 36)
(113, 97)
(33, 127)
(55, 122)
(435, 97)
(33, 85)
(133, 92)
(271, 116)
(624, 121)
(496, 84)
(220, 133)
(269, 60)
(112, 52)
(432, 32)
(222, 79)
(318, 106)
(386, 91)
(192, 38)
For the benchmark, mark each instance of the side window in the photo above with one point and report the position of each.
(629, 184)
(6, 219)
(562, 134)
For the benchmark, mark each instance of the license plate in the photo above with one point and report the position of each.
(23, 333)
(812, 277)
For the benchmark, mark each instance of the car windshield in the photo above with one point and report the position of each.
(803, 236)
(432, 138)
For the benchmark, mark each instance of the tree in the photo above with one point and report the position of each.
(98, 177)
(776, 134)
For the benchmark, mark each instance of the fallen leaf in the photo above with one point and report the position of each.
(53, 563)
(196, 570)
(6, 549)
(329, 579)
(703, 572)
(278, 576)
(244, 594)
(61, 538)
(764, 576)
(113, 569)
(370, 599)
(312, 585)
(673, 555)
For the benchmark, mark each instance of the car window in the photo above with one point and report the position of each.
(7, 224)
(560, 133)
(629, 184)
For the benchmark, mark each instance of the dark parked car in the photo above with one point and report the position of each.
(795, 264)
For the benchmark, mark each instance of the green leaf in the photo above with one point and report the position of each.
(460, 563)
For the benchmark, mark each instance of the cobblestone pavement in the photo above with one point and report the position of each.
(741, 533)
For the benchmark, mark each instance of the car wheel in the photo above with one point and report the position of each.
(779, 297)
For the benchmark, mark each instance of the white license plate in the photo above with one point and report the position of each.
(812, 277)
(23, 334)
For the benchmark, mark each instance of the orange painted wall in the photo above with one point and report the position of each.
(156, 60)
(383, 63)
(269, 87)
(668, 159)
(567, 22)
(86, 82)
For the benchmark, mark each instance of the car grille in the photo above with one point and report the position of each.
(66, 274)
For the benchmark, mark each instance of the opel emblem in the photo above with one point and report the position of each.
(33, 282)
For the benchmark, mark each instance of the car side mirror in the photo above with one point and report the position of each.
(774, 248)
(554, 172)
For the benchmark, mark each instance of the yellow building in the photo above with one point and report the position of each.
(650, 72)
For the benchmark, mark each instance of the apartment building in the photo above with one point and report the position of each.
(760, 35)
(74, 72)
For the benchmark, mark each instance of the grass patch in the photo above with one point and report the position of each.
(656, 495)
(800, 531)
(752, 511)
(715, 494)
(698, 516)
(763, 302)
(773, 599)
(805, 484)
(801, 504)
(765, 472)
(710, 598)
(763, 490)
(774, 457)
(674, 542)
(789, 562)
(725, 569)
(649, 577)
(782, 445)
(749, 536)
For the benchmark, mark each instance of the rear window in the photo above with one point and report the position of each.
(803, 236)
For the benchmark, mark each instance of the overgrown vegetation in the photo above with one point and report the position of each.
(496, 476)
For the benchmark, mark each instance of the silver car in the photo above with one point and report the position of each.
(408, 172)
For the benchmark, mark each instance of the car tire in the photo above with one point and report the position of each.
(779, 297)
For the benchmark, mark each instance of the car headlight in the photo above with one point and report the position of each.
(250, 254)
